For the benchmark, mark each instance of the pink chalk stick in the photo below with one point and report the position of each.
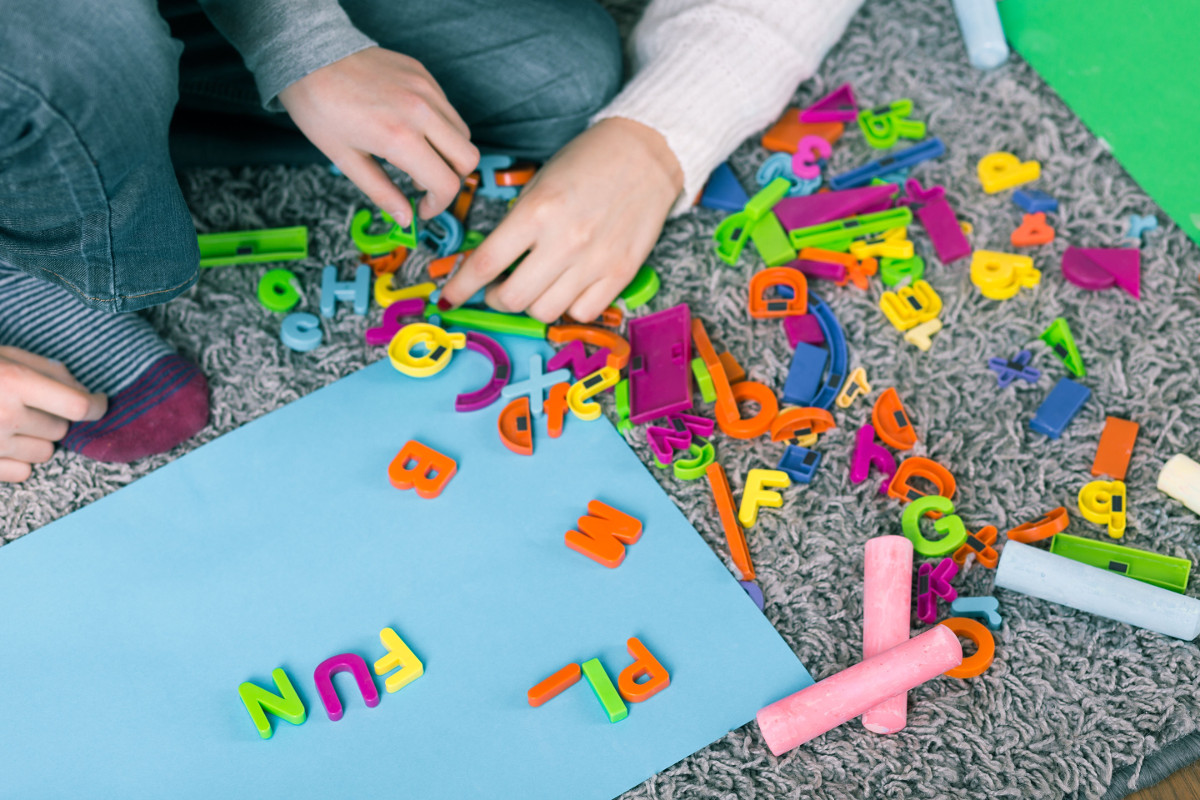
(887, 599)
(794, 720)
(813, 209)
(354, 664)
(803, 328)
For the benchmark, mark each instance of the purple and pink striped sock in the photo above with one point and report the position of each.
(156, 399)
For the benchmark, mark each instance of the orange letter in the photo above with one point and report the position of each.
(429, 473)
(643, 664)
(603, 531)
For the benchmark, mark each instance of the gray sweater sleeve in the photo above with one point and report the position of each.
(281, 41)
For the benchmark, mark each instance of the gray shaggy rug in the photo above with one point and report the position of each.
(1074, 705)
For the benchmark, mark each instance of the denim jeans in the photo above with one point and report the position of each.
(88, 88)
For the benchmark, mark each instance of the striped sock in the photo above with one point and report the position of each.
(156, 399)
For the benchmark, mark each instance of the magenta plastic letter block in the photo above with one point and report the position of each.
(814, 209)
(940, 221)
(1096, 268)
(803, 328)
(794, 720)
(575, 356)
(887, 600)
(346, 662)
(660, 364)
(932, 583)
(409, 307)
(501, 370)
(868, 452)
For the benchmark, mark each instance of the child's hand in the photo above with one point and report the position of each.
(379, 103)
(37, 399)
(588, 219)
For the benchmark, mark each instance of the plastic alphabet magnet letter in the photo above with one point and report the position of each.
(921, 337)
(1050, 523)
(278, 290)
(837, 106)
(399, 656)
(555, 685)
(490, 349)
(981, 545)
(868, 453)
(761, 307)
(420, 467)
(809, 150)
(756, 493)
(985, 647)
(1058, 337)
(930, 148)
(1103, 502)
(909, 306)
(1032, 231)
(1097, 268)
(603, 534)
(592, 385)
(927, 469)
(886, 125)
(301, 331)
(516, 426)
(1115, 448)
(536, 384)
(891, 421)
(999, 171)
(660, 372)
(856, 387)
(1000, 276)
(941, 223)
(983, 608)
(437, 344)
(1009, 369)
(951, 527)
(1060, 407)
(932, 583)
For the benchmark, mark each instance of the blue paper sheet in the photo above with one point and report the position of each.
(129, 624)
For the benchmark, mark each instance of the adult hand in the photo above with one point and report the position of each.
(587, 220)
(380, 103)
(38, 400)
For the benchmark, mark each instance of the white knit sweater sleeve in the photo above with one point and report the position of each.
(708, 73)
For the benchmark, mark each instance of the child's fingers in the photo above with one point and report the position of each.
(13, 471)
(566, 288)
(512, 238)
(532, 278)
(453, 146)
(35, 390)
(51, 369)
(29, 449)
(367, 175)
(594, 299)
(41, 425)
(426, 167)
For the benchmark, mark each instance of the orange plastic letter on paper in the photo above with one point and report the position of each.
(422, 468)
(553, 686)
(603, 534)
(646, 664)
